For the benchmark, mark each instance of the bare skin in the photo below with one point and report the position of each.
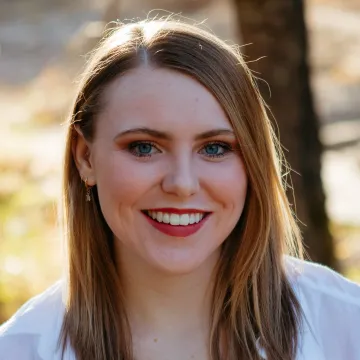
(170, 320)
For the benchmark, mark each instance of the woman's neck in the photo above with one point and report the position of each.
(159, 302)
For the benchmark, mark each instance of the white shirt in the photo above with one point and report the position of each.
(331, 305)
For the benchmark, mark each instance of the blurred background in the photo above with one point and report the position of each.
(308, 52)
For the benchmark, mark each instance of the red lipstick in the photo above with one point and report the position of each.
(177, 230)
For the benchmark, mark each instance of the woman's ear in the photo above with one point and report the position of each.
(81, 150)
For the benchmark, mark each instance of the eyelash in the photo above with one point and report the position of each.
(226, 148)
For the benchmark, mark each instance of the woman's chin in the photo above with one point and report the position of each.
(183, 266)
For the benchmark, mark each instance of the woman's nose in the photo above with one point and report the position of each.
(181, 179)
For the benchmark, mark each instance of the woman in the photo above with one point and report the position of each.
(179, 231)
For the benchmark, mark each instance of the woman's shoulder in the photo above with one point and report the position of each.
(35, 327)
(330, 305)
(34, 315)
(320, 281)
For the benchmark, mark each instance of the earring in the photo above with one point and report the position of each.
(88, 191)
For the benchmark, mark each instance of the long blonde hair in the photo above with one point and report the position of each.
(253, 302)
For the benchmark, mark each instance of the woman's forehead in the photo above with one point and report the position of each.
(161, 98)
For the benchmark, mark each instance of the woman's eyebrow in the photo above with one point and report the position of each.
(147, 131)
(167, 136)
(213, 133)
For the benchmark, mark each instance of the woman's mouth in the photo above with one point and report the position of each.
(176, 222)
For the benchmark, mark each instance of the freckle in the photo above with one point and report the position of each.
(155, 340)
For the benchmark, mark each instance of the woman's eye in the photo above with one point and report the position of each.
(215, 149)
(141, 148)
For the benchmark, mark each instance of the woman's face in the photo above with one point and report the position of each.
(170, 179)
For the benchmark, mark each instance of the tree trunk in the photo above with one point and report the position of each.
(276, 29)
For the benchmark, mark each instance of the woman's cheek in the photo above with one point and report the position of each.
(126, 174)
(228, 175)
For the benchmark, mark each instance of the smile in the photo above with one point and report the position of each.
(176, 219)
(176, 222)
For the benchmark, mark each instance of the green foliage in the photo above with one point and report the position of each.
(29, 243)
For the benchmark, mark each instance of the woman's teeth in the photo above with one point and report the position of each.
(176, 219)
